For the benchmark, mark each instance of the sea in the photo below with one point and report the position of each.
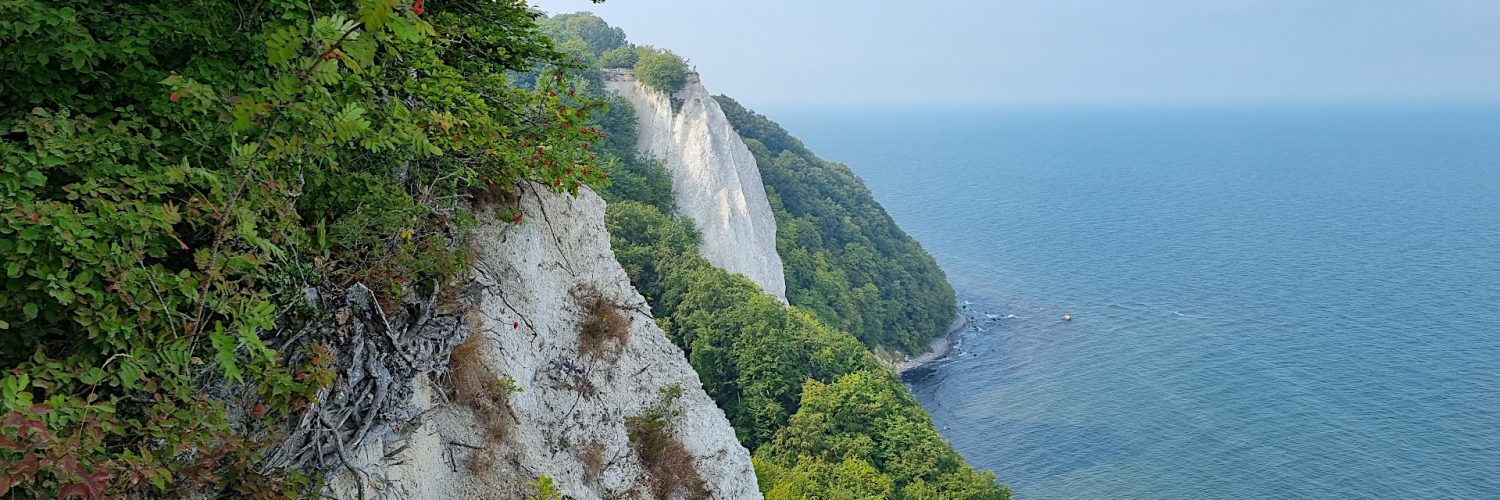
(1295, 302)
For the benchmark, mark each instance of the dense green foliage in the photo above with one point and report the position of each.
(660, 69)
(173, 174)
(767, 364)
(845, 259)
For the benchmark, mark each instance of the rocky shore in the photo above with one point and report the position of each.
(937, 349)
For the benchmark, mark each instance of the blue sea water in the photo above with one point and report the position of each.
(1285, 303)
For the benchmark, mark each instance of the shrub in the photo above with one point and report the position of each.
(165, 167)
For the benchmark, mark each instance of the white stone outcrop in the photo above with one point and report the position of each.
(572, 404)
(714, 177)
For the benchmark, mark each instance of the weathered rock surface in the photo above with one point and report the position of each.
(714, 177)
(573, 405)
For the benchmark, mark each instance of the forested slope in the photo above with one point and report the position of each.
(846, 260)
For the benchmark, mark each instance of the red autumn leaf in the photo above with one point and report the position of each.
(71, 490)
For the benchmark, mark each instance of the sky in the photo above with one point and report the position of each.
(830, 53)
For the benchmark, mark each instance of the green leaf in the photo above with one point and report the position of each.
(404, 30)
(29, 311)
(130, 373)
(374, 13)
(224, 347)
(282, 45)
(35, 178)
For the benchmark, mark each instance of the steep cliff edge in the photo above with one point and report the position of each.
(715, 179)
(580, 398)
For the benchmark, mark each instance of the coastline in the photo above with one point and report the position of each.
(937, 349)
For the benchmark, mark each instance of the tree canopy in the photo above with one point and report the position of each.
(660, 69)
(845, 258)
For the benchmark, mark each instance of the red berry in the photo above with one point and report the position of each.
(536, 157)
(557, 182)
(174, 97)
(517, 218)
(516, 324)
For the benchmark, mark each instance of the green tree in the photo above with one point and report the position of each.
(619, 57)
(661, 69)
(597, 35)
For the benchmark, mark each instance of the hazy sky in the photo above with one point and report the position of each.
(781, 53)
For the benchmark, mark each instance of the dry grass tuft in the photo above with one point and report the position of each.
(602, 322)
(665, 458)
(593, 461)
(493, 194)
(479, 387)
(480, 462)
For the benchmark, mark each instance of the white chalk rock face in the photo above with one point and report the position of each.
(569, 420)
(714, 177)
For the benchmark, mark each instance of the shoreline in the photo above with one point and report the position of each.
(937, 349)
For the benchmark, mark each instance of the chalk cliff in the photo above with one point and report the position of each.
(532, 286)
(715, 180)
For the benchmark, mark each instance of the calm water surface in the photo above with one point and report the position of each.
(1275, 304)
